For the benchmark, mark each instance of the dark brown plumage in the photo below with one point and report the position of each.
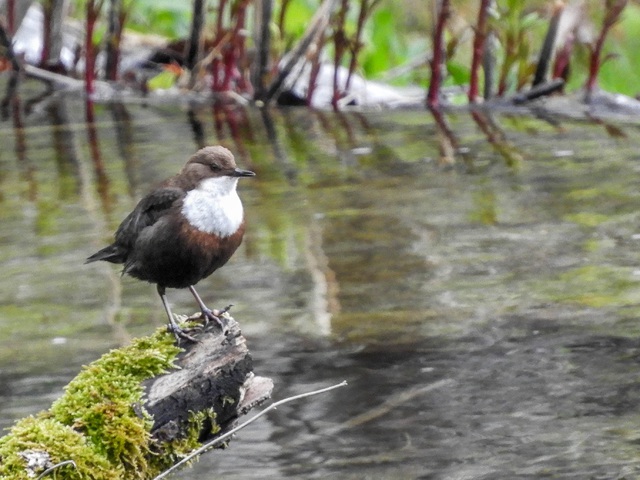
(184, 230)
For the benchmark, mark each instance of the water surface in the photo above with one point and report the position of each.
(479, 292)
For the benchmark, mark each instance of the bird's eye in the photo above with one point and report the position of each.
(214, 167)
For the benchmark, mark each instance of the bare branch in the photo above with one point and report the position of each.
(56, 466)
(231, 432)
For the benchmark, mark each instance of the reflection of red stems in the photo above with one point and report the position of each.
(448, 143)
(482, 122)
(218, 120)
(18, 126)
(438, 55)
(96, 158)
(595, 62)
(21, 147)
(234, 117)
(496, 138)
(478, 49)
(92, 133)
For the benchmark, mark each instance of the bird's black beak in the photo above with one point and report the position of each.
(243, 173)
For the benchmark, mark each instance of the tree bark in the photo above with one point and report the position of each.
(216, 372)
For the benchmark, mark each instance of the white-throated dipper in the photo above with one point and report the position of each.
(183, 230)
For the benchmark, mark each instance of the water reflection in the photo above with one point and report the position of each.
(483, 311)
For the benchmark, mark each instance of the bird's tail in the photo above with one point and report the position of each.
(112, 253)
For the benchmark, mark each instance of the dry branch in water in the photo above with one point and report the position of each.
(218, 440)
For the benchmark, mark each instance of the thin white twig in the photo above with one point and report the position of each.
(57, 465)
(53, 77)
(222, 438)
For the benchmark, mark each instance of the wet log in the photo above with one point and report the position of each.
(215, 373)
(139, 409)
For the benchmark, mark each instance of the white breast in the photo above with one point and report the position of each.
(214, 207)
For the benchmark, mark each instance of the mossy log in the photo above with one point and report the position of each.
(139, 409)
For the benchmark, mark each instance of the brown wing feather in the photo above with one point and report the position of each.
(148, 211)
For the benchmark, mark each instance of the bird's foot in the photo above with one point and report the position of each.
(180, 333)
(216, 316)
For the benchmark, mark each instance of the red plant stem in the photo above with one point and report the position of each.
(362, 16)
(234, 51)
(339, 41)
(595, 62)
(216, 82)
(88, 54)
(438, 55)
(121, 21)
(563, 56)
(47, 9)
(222, 4)
(315, 68)
(240, 50)
(117, 18)
(90, 58)
(229, 68)
(215, 75)
(478, 49)
(11, 17)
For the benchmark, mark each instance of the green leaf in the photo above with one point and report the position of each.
(162, 81)
(460, 74)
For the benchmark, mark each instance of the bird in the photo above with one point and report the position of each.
(183, 230)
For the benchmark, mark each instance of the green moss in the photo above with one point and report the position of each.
(33, 433)
(593, 286)
(485, 210)
(199, 422)
(587, 219)
(98, 402)
(95, 423)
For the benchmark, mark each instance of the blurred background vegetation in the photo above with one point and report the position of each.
(393, 41)
(398, 34)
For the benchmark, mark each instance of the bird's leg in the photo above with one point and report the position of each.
(173, 326)
(207, 313)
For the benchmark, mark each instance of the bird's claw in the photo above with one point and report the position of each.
(180, 334)
(217, 317)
